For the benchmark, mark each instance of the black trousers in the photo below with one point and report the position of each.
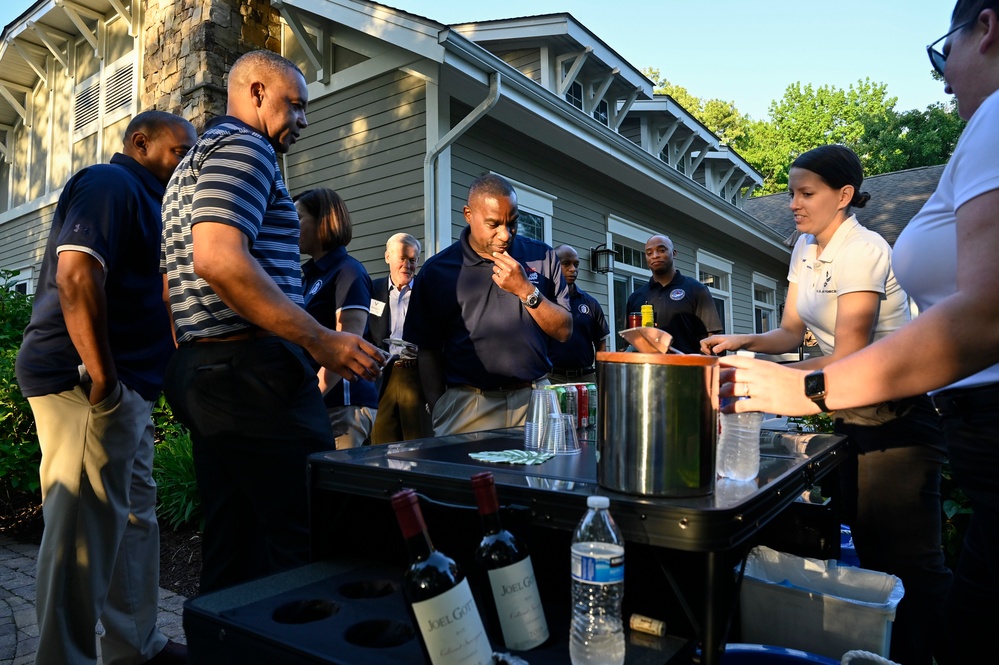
(255, 414)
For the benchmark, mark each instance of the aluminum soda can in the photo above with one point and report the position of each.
(571, 401)
(634, 319)
(560, 397)
(584, 406)
(648, 316)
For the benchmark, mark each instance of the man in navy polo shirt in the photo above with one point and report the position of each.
(572, 361)
(91, 366)
(681, 305)
(482, 312)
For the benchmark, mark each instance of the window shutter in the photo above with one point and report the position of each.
(119, 89)
(86, 107)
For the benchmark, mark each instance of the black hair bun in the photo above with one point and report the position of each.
(860, 200)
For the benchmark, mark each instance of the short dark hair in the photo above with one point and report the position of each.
(968, 10)
(838, 166)
(150, 123)
(259, 63)
(332, 217)
(491, 184)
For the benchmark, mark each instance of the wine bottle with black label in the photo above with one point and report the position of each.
(438, 594)
(511, 575)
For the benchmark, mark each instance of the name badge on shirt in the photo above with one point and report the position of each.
(377, 307)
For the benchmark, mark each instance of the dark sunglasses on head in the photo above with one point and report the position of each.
(937, 58)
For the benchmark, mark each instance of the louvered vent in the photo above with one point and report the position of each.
(86, 107)
(119, 90)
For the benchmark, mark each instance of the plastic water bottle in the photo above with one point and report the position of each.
(597, 630)
(739, 446)
(738, 453)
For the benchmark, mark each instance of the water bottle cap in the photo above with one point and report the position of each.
(597, 502)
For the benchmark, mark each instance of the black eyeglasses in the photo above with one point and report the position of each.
(937, 58)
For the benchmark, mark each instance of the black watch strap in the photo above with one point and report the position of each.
(815, 389)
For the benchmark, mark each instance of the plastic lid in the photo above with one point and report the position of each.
(597, 502)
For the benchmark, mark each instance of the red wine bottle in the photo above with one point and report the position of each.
(511, 574)
(438, 594)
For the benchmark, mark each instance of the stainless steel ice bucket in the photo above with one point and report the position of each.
(657, 423)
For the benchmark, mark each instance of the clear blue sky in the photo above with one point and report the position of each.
(746, 52)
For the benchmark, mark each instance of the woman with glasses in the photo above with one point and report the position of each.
(338, 295)
(946, 260)
(842, 288)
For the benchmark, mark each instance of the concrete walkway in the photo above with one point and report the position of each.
(18, 624)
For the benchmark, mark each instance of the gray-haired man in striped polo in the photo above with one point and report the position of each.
(240, 379)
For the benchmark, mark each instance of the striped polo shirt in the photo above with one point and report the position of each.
(231, 176)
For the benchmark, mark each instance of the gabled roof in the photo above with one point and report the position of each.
(895, 199)
(555, 26)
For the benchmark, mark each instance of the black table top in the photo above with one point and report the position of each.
(555, 491)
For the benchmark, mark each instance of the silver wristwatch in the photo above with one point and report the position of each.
(532, 301)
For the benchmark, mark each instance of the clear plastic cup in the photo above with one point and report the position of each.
(542, 404)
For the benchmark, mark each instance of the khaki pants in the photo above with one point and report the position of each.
(351, 425)
(465, 409)
(99, 556)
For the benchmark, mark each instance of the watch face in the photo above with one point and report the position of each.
(815, 384)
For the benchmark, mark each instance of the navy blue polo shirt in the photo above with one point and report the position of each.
(684, 308)
(112, 212)
(486, 337)
(589, 326)
(339, 281)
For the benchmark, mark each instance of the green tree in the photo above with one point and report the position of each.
(909, 139)
(806, 117)
(722, 118)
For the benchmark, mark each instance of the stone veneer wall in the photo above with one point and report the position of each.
(188, 47)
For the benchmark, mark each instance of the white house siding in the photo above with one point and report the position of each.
(584, 201)
(367, 142)
(23, 239)
(527, 61)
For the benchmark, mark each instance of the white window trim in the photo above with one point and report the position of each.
(709, 260)
(535, 201)
(620, 228)
(770, 284)
(24, 275)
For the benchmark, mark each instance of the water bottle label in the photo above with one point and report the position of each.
(599, 567)
(452, 628)
(519, 606)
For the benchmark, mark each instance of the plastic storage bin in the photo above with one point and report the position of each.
(816, 606)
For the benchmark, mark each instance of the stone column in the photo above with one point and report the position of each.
(188, 47)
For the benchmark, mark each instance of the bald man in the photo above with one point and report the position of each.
(572, 360)
(482, 313)
(241, 379)
(681, 305)
(91, 366)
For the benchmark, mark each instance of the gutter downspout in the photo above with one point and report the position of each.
(430, 160)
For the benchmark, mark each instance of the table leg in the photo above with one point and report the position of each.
(716, 608)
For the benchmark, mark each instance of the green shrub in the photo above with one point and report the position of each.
(178, 502)
(19, 451)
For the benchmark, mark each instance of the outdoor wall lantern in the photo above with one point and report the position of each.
(602, 259)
